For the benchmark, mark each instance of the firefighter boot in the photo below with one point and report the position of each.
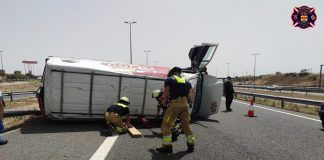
(3, 141)
(165, 149)
(110, 129)
(174, 134)
(190, 147)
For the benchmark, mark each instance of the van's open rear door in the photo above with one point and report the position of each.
(207, 89)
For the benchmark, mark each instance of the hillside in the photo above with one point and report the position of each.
(288, 79)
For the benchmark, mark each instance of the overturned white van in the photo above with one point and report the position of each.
(83, 89)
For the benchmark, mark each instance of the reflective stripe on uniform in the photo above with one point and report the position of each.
(122, 105)
(180, 79)
(119, 129)
(167, 140)
(190, 139)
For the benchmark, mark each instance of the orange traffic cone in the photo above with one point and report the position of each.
(251, 110)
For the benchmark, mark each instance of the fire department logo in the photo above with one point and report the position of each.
(303, 17)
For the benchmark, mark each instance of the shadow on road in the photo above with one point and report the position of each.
(157, 155)
(47, 126)
(41, 125)
(203, 120)
(153, 135)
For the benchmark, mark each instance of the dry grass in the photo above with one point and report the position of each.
(29, 102)
(22, 103)
(20, 86)
(308, 109)
(285, 94)
(12, 122)
(291, 80)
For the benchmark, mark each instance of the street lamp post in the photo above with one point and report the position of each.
(228, 64)
(255, 54)
(147, 52)
(320, 80)
(1, 60)
(130, 39)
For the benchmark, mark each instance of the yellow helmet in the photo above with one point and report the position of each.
(157, 93)
(125, 100)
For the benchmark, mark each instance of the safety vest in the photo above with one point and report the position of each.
(180, 79)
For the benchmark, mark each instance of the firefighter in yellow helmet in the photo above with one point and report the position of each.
(114, 116)
(157, 94)
(176, 89)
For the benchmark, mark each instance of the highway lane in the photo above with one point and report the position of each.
(42, 139)
(231, 135)
(226, 135)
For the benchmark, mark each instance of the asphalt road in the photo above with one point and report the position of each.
(226, 135)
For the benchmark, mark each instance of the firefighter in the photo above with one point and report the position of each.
(176, 89)
(157, 94)
(228, 92)
(114, 116)
(2, 105)
(176, 129)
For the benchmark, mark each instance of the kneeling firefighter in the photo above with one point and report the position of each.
(176, 89)
(114, 116)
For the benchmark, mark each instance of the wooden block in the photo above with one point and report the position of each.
(133, 132)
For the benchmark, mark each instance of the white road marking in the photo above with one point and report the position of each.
(104, 148)
(281, 112)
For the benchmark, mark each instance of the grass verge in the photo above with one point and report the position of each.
(308, 109)
(21, 103)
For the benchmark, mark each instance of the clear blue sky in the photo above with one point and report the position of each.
(36, 29)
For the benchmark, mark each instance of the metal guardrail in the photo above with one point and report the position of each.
(8, 114)
(13, 94)
(282, 99)
(285, 88)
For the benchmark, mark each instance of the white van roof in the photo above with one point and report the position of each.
(107, 66)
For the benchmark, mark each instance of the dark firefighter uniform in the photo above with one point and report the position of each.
(114, 116)
(179, 89)
(228, 93)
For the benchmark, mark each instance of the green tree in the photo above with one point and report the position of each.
(17, 73)
(2, 73)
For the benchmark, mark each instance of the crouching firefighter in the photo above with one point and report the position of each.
(114, 116)
(176, 89)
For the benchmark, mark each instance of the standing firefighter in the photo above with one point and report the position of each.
(176, 89)
(177, 127)
(228, 92)
(114, 116)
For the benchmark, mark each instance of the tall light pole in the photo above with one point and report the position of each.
(320, 80)
(255, 54)
(1, 60)
(228, 64)
(130, 39)
(147, 52)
